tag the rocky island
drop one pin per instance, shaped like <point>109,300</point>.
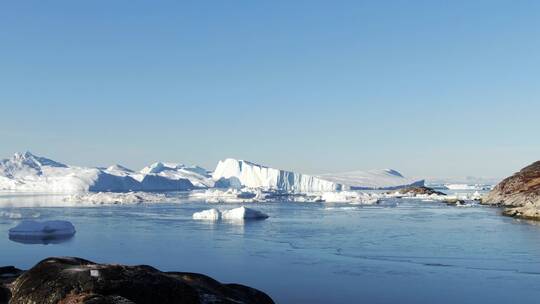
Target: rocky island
<point>417,190</point>
<point>75,280</point>
<point>519,193</point>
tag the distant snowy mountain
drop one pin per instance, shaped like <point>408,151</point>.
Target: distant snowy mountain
<point>232,171</point>
<point>27,172</point>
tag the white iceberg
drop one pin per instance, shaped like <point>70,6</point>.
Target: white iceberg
<point>241,213</point>
<point>198,176</point>
<point>385,179</point>
<point>210,214</point>
<point>231,171</point>
<point>29,173</point>
<point>257,176</point>
<point>25,172</point>
<point>49,230</point>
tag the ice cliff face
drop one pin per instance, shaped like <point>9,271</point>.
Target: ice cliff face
<point>257,176</point>
<point>27,172</point>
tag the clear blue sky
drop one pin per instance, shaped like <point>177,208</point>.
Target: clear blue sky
<point>431,88</point>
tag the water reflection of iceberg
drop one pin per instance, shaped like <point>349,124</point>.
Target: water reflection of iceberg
<point>49,232</point>
<point>41,240</point>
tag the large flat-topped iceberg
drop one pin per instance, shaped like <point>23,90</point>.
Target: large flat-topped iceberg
<point>386,179</point>
<point>30,173</point>
<point>252,175</point>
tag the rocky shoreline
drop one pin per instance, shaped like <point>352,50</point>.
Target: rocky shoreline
<point>519,194</point>
<point>76,281</point>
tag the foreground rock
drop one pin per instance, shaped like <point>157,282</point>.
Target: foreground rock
<point>7,275</point>
<point>74,280</point>
<point>519,192</point>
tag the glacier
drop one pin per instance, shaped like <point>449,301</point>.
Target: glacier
<point>253,175</point>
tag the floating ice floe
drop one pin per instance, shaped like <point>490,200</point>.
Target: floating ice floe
<point>107,198</point>
<point>41,232</point>
<point>456,199</point>
<point>17,215</point>
<point>10,215</point>
<point>241,213</point>
<point>351,197</point>
<point>229,195</point>
<point>247,195</point>
<point>467,187</point>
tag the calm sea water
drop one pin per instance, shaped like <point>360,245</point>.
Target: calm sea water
<point>403,251</point>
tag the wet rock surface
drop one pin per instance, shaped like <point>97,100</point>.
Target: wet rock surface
<point>75,280</point>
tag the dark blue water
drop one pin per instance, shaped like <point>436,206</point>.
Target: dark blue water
<point>405,251</point>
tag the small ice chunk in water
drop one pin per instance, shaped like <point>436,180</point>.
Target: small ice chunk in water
<point>241,213</point>
<point>210,214</point>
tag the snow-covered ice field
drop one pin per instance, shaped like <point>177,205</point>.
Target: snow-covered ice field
<point>422,251</point>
